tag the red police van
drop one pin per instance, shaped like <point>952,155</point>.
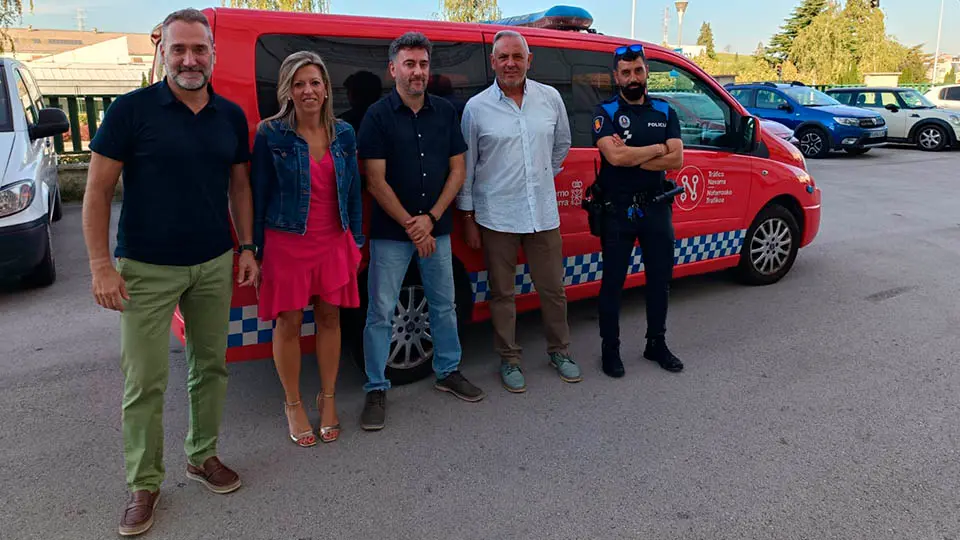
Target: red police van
<point>749,202</point>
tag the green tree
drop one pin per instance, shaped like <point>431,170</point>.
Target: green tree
<point>822,50</point>
<point>950,77</point>
<point>913,67</point>
<point>706,39</point>
<point>802,16</point>
<point>313,6</point>
<point>11,13</point>
<point>470,10</point>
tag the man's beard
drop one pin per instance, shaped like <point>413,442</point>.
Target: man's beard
<point>634,92</point>
<point>409,90</point>
<point>189,84</point>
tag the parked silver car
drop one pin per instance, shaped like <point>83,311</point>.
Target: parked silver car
<point>29,190</point>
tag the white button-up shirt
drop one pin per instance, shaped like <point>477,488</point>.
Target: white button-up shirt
<point>513,155</point>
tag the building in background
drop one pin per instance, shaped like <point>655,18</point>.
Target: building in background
<point>80,63</point>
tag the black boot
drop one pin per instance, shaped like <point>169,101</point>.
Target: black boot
<point>610,361</point>
<point>658,352</point>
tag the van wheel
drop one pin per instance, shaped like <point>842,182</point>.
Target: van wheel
<point>770,247</point>
<point>57,207</point>
<point>814,142</point>
<point>45,273</point>
<point>931,138</point>
<point>410,358</point>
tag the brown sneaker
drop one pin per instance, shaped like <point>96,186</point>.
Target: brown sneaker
<point>138,515</point>
<point>215,475</point>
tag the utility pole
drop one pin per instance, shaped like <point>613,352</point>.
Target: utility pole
<point>666,26</point>
<point>633,20</point>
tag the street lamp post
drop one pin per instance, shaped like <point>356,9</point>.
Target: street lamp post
<point>681,9</point>
<point>633,19</point>
<point>936,58</point>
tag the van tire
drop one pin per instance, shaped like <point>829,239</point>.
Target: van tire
<point>45,273</point>
<point>931,137</point>
<point>420,367</point>
<point>772,222</point>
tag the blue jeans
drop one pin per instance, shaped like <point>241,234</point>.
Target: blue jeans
<point>389,261</point>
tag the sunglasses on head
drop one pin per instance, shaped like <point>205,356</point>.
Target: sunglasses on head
<point>636,48</point>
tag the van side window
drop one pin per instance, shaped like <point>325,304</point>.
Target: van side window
<point>26,101</point>
<point>705,118</point>
<point>842,97</point>
<point>583,78</point>
<point>952,93</point>
<point>360,75</point>
<point>767,99</point>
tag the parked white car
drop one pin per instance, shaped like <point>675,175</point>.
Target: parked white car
<point>29,191</point>
<point>947,96</point>
<point>910,117</point>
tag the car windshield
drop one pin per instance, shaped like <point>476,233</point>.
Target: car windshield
<point>810,97</point>
<point>915,100</point>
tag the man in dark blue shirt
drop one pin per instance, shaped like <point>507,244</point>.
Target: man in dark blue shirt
<point>413,151</point>
<point>183,152</point>
<point>639,138</point>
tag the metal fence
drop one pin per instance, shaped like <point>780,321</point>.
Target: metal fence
<point>85,114</point>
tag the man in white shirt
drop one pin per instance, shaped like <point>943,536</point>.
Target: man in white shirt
<point>518,135</point>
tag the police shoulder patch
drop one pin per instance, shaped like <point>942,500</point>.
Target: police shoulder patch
<point>624,121</point>
<point>597,124</point>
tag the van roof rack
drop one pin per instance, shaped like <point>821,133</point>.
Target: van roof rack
<point>556,18</point>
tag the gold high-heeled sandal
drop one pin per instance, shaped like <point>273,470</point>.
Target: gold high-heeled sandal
<point>324,431</point>
<point>305,439</point>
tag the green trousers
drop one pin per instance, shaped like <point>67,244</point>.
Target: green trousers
<point>203,293</point>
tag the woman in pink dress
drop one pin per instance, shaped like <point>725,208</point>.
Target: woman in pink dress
<point>307,223</point>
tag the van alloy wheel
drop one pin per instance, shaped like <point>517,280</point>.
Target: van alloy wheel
<point>412,343</point>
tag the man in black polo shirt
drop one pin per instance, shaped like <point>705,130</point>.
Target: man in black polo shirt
<point>639,138</point>
<point>414,156</point>
<point>183,152</point>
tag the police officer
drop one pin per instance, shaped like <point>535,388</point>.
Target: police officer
<point>639,138</point>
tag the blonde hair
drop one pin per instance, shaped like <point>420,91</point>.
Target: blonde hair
<point>288,69</point>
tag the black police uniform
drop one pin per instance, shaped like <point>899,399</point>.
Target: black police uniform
<point>631,215</point>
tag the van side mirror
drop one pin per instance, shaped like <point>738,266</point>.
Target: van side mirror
<point>52,122</point>
<point>892,108</point>
<point>749,134</point>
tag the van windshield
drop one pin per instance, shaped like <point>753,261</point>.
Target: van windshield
<point>6,118</point>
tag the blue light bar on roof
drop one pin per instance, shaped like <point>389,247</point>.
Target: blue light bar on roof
<point>555,18</point>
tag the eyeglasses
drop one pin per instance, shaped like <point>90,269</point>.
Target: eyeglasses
<point>635,48</point>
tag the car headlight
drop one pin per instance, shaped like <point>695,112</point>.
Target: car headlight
<point>16,197</point>
<point>843,120</point>
<point>955,120</point>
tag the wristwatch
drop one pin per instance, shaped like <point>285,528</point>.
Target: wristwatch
<point>432,219</point>
<point>248,247</point>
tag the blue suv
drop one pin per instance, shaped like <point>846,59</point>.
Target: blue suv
<point>820,123</point>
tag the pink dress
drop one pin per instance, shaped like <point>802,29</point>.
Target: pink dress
<point>323,262</point>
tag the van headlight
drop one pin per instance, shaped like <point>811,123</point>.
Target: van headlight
<point>16,197</point>
<point>843,120</point>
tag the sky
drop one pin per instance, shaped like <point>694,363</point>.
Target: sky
<point>739,24</point>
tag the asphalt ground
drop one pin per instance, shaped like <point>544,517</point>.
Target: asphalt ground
<point>824,406</point>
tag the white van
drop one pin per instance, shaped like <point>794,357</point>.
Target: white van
<point>29,191</point>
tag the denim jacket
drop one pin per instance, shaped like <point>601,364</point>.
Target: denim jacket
<point>280,177</point>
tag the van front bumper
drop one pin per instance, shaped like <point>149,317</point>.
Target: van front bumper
<point>22,247</point>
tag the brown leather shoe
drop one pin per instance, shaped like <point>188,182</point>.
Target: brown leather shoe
<point>215,475</point>
<point>138,515</point>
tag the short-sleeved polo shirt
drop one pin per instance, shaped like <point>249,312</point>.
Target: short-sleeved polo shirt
<point>176,174</point>
<point>417,148</point>
<point>653,122</point>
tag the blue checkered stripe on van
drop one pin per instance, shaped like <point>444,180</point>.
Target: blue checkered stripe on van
<point>588,267</point>
<point>247,329</point>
